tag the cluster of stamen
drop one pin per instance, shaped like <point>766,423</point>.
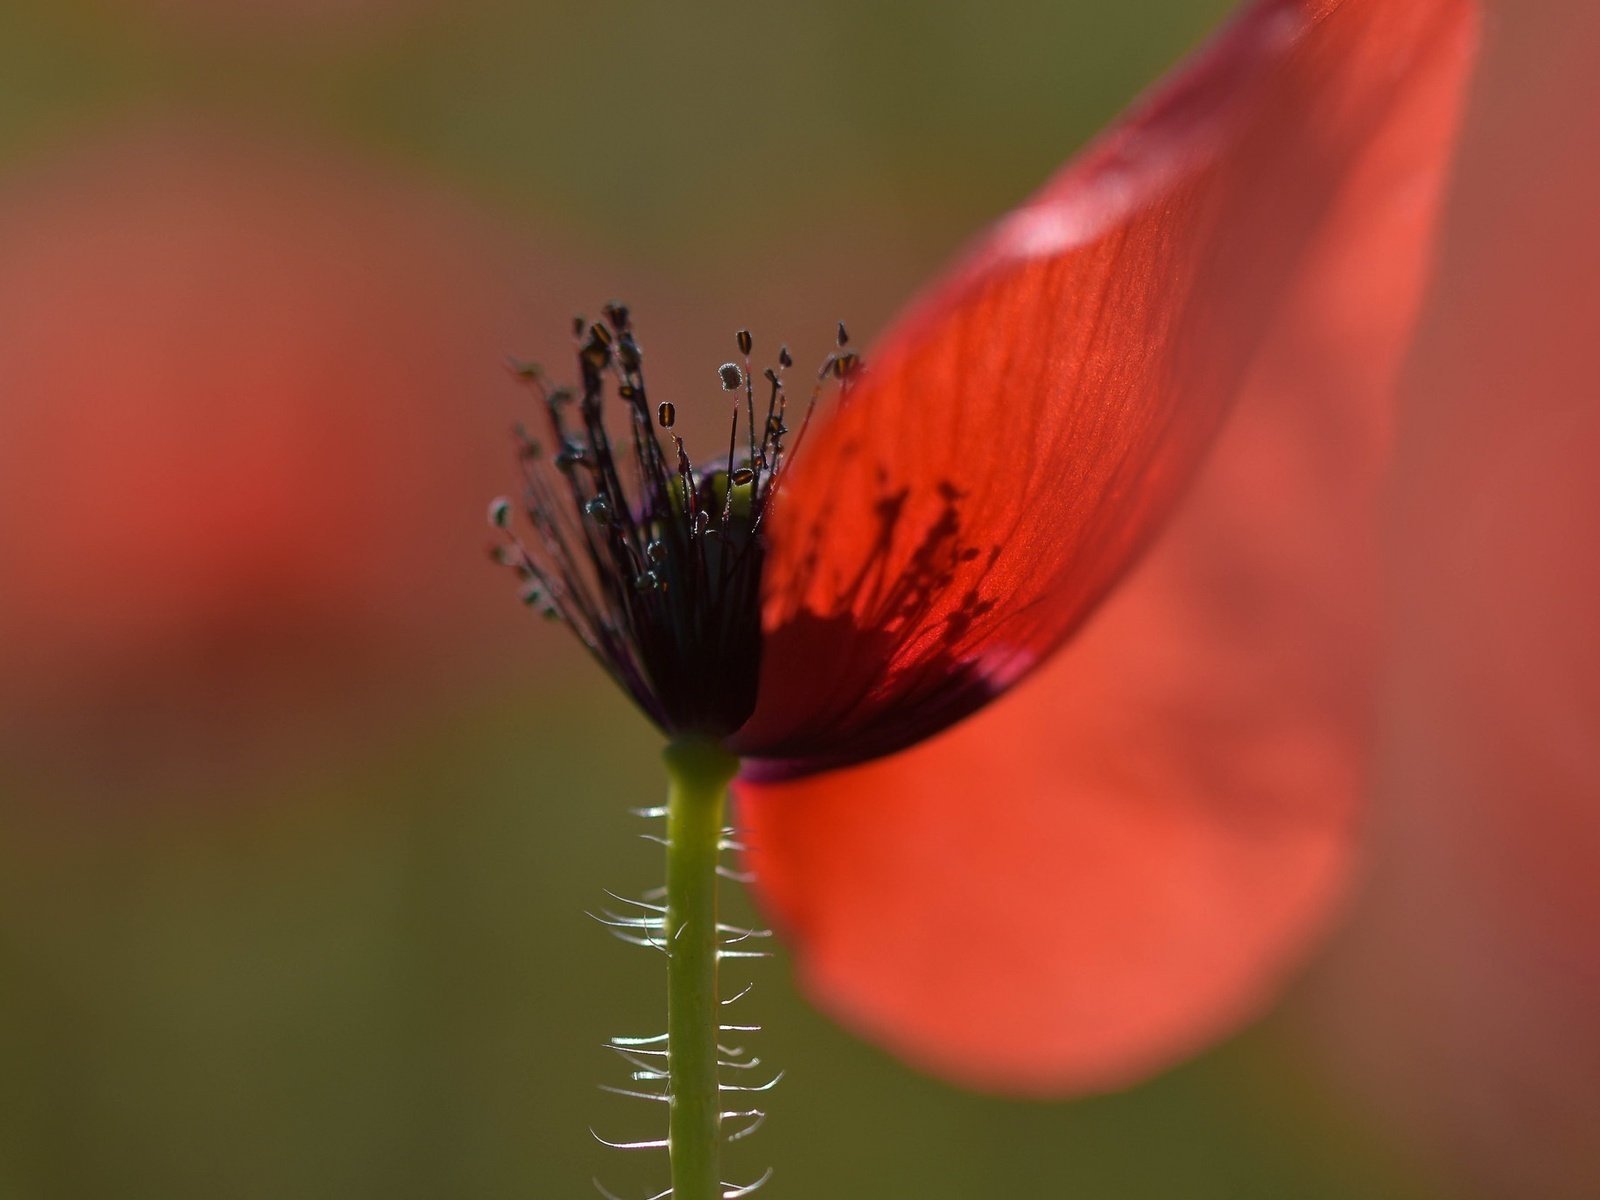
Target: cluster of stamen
<point>655,562</point>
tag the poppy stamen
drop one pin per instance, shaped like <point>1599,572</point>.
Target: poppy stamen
<point>659,576</point>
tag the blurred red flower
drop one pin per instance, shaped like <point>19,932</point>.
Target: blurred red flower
<point>234,462</point>
<point>1465,998</point>
<point>1120,859</point>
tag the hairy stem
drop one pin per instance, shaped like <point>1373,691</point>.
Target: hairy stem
<point>698,774</point>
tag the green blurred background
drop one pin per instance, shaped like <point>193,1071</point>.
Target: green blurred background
<point>359,966</point>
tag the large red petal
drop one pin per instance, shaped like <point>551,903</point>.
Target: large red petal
<point>1023,432</point>
<point>1120,861</point>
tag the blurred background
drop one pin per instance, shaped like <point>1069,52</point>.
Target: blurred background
<point>301,811</point>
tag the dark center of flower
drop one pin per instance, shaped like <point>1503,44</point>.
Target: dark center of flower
<point>655,563</point>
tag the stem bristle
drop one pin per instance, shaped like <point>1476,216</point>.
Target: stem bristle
<point>695,944</point>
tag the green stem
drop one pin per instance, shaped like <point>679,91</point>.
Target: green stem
<point>698,774</point>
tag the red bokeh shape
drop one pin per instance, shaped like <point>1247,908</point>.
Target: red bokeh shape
<point>246,392</point>
<point>1465,999</point>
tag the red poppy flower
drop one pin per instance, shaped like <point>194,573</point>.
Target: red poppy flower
<point>235,470</point>
<point>1118,859</point>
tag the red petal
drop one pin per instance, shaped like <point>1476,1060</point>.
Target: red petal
<point>1024,431</point>
<point>1120,861</point>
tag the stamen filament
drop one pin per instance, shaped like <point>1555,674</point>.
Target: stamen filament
<point>655,565</point>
